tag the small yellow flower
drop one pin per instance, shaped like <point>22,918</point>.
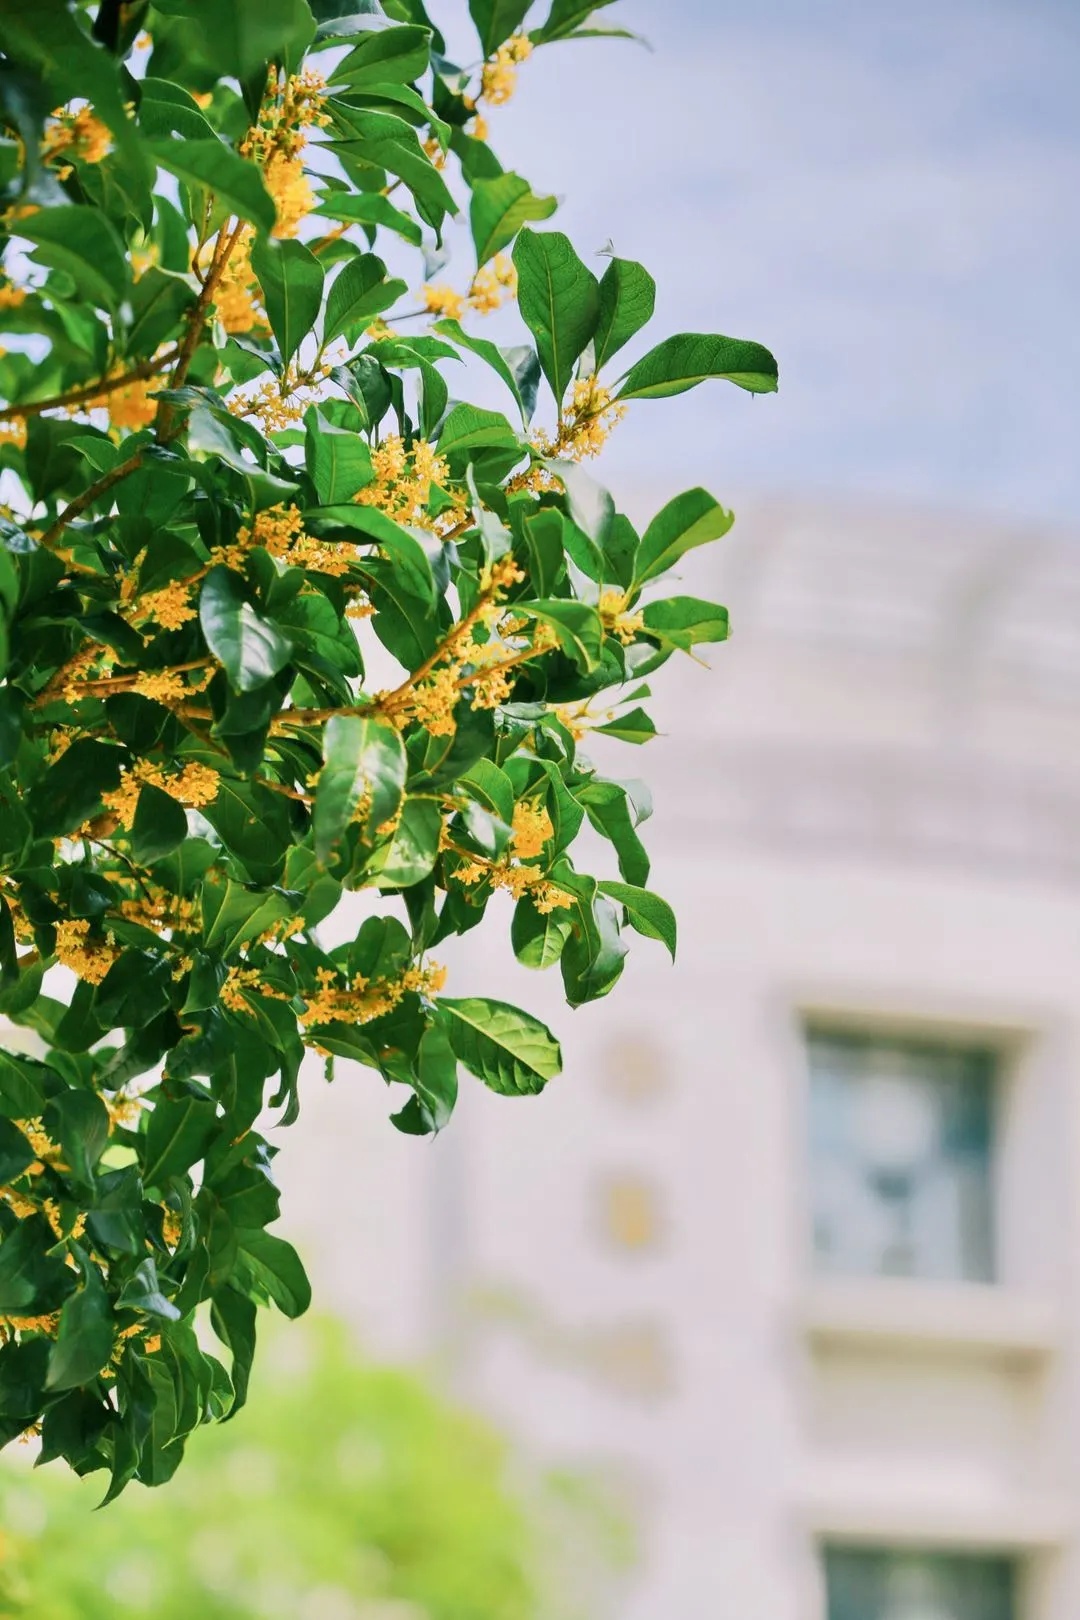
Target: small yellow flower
<point>441,299</point>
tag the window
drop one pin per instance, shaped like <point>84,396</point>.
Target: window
<point>901,1157</point>
<point>871,1585</point>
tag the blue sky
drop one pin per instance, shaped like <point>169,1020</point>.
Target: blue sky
<point>885,195</point>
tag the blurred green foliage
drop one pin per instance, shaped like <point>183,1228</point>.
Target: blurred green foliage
<point>350,1492</point>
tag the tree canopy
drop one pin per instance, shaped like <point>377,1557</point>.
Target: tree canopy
<point>242,481</point>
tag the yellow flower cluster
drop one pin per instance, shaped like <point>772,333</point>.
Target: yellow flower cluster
<point>46,1150</point>
<point>11,297</point>
<point>170,606</point>
<point>440,299</point>
<point>291,105</point>
<point>239,983</point>
<point>161,686</point>
<point>237,296</point>
<point>89,959</point>
<point>615,619</point>
<point>79,135</point>
<point>280,531</point>
<point>585,423</point>
<point>293,197</point>
<point>519,880</point>
<point>403,480</point>
<point>51,1210</point>
<point>129,407</point>
<point>531,829</point>
<point>195,785</point>
<point>281,403</point>
<point>13,433</point>
<point>361,1000</point>
<point>488,290</point>
<point>172,1227</point>
<point>498,79</point>
<point>493,284</point>
<point>48,1325</point>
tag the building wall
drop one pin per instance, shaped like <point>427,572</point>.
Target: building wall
<point>868,810</point>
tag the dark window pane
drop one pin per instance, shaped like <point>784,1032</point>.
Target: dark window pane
<point>901,1155</point>
<point>865,1584</point>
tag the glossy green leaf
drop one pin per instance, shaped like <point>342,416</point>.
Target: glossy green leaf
<point>177,1135</point>
<point>291,279</point>
<point>627,300</point>
<point>84,1341</point>
<point>496,20</point>
<point>509,1050</point>
<point>559,301</point>
<point>244,37</point>
<point>690,358</point>
<point>645,911</point>
<point>248,646</point>
<point>363,770</point>
<point>498,210</point>
<point>160,825</point>
<point>690,520</point>
<point>85,244</point>
<point>360,291</point>
<point>214,167</point>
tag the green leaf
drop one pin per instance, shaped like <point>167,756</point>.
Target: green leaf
<point>496,20</point>
<point>232,1318</point>
<point>614,813</point>
<point>249,648</point>
<point>646,912</point>
<point>32,1280</point>
<point>683,621</point>
<point>15,1151</point>
<point>82,242</point>
<point>291,278</point>
<point>577,626</point>
<point>243,37</point>
<point>213,166</point>
<point>589,504</point>
<point>468,427</point>
<point>364,759</point>
<point>559,300</point>
<point>386,56</point>
<point>565,18</point>
<point>691,519</point>
<point>235,913</point>
<point>627,299</point>
<point>412,566</point>
<point>177,1135</point>
<point>499,208</point>
<point>70,791</point>
<point>338,461</point>
<point>690,358</point>
<point>509,1050</point>
<point>414,847</point>
<point>539,937</point>
<point>500,362</point>
<point>634,726</point>
<point>359,292</point>
<point>160,825</point>
<point>253,824</point>
<point>276,1269</point>
<point>142,1292</point>
<point>435,1079</point>
<point>368,208</point>
<point>382,141</point>
<point>85,1339</point>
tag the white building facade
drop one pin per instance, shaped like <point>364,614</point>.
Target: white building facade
<point>792,1246</point>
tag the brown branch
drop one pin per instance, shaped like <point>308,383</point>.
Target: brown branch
<point>91,391</point>
<point>78,506</point>
<point>196,322</point>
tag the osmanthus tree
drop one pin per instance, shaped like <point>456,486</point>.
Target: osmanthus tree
<point>233,465</point>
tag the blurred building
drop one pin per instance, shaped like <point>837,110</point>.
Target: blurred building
<point>792,1247</point>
